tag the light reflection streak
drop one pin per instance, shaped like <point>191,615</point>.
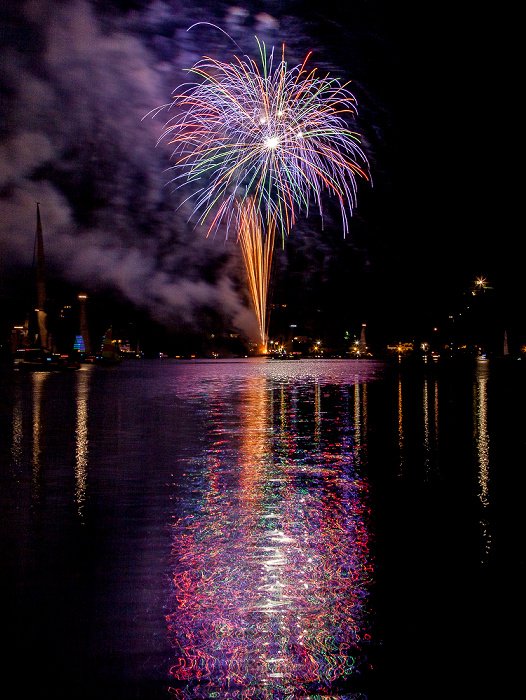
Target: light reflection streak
<point>481,409</point>
<point>436,412</point>
<point>360,420</point>
<point>430,411</point>
<point>17,429</point>
<point>400,426</point>
<point>482,443</point>
<point>317,410</point>
<point>271,566</point>
<point>357,415</point>
<point>38,379</point>
<point>81,435</point>
<point>427,446</point>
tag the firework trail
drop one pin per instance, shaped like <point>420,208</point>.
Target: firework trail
<point>257,248</point>
<point>274,134</point>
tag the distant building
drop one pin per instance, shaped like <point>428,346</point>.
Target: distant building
<point>19,337</point>
<point>83,322</point>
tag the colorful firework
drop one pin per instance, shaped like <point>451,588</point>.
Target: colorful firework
<point>277,135</point>
<point>258,248</point>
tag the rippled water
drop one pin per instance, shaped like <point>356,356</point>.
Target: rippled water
<point>256,529</point>
<point>271,560</point>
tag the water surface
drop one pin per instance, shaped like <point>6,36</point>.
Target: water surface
<point>258,529</point>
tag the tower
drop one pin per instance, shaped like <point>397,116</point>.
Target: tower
<point>84,330</point>
<point>362,345</point>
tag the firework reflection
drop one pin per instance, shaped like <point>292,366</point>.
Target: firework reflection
<point>271,566</point>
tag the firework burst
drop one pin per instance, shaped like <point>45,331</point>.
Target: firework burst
<point>276,135</point>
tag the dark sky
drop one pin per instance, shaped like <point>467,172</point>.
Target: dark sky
<point>432,88</point>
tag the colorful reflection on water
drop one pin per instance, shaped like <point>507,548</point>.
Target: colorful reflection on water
<point>263,474</point>
<point>271,557</point>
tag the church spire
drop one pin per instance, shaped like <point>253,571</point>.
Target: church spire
<point>41,284</point>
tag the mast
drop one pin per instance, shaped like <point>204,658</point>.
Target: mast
<point>41,285</point>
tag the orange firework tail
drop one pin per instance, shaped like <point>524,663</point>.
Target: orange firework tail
<point>257,247</point>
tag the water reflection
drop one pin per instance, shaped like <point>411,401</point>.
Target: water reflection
<point>17,428</point>
<point>482,441</point>
<point>430,410</point>
<point>430,417</point>
<point>400,427</point>
<point>38,381</point>
<point>271,563</point>
<point>37,427</point>
<point>481,430</point>
<point>81,435</point>
<point>317,410</point>
<point>436,413</point>
<point>427,446</point>
<point>270,574</point>
<point>360,420</point>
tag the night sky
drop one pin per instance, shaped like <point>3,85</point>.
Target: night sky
<point>434,102</point>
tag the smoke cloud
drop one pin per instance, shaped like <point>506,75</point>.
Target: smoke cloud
<point>78,78</point>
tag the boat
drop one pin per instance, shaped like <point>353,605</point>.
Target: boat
<point>41,360</point>
<point>35,353</point>
<point>109,354</point>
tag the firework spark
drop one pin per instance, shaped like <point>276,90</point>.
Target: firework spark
<point>276,135</point>
<point>257,250</point>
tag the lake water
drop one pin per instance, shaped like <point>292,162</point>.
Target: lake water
<point>261,529</point>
